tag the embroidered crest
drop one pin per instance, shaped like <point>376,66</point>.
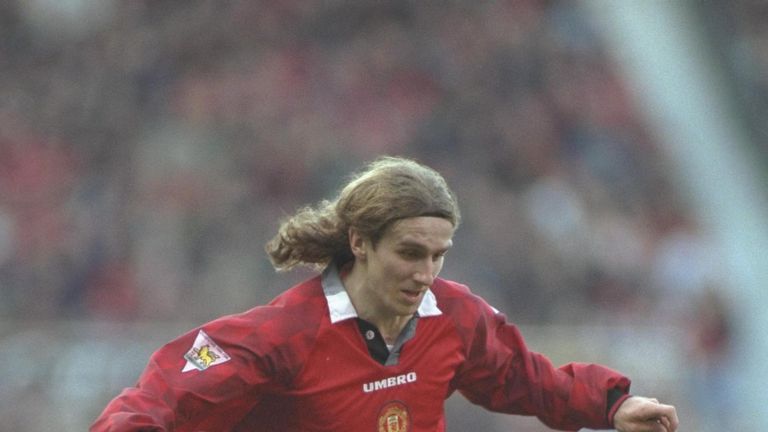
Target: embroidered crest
<point>393,417</point>
<point>204,354</point>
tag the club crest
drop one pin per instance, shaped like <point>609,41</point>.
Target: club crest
<point>394,417</point>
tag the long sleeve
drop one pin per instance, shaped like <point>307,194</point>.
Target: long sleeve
<point>204,380</point>
<point>503,375</point>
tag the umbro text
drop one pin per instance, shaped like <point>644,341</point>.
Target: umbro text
<point>389,382</point>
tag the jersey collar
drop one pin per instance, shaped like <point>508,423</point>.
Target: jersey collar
<point>340,306</point>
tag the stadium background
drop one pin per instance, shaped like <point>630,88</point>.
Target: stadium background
<point>609,158</point>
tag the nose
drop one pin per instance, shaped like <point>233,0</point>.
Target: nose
<point>425,274</point>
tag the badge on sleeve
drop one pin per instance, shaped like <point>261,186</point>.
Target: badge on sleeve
<point>204,354</point>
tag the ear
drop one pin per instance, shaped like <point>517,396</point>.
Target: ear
<point>357,244</point>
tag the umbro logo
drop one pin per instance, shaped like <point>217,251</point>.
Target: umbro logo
<point>389,382</point>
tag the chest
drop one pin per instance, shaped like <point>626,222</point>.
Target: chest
<point>342,387</point>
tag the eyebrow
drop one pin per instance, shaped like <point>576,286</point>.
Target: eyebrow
<point>417,245</point>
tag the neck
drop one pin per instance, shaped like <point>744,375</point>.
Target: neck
<point>369,306</point>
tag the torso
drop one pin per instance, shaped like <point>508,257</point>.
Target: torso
<point>339,386</point>
<point>343,388</point>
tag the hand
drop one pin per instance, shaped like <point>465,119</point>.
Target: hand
<point>641,414</point>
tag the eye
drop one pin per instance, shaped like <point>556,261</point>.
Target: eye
<point>410,254</point>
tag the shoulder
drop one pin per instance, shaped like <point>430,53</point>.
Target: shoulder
<point>469,314</point>
<point>274,338</point>
<point>268,341</point>
<point>307,294</point>
<point>298,309</point>
<point>453,297</point>
<point>286,327</point>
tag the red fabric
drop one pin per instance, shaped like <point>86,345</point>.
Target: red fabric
<point>291,369</point>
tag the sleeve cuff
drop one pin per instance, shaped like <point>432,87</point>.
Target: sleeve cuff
<point>615,399</point>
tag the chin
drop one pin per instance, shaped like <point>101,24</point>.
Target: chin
<point>406,310</point>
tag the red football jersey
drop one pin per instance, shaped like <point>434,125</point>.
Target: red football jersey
<point>304,363</point>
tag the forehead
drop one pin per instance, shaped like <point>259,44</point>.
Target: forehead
<point>427,231</point>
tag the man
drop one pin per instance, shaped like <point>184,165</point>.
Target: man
<point>377,342</point>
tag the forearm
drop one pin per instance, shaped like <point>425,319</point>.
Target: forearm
<point>505,376</point>
<point>576,395</point>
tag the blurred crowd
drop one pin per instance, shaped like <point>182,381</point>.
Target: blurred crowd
<point>148,150</point>
<point>739,33</point>
<point>148,153</point>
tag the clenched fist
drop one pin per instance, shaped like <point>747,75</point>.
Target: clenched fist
<point>641,414</point>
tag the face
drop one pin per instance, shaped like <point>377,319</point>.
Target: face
<point>404,263</point>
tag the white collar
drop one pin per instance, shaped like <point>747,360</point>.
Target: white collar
<point>340,306</point>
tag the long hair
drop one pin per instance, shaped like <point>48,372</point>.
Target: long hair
<point>387,190</point>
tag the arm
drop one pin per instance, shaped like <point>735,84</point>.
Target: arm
<point>501,374</point>
<point>174,394</point>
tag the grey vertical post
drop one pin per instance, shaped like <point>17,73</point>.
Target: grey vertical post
<point>662,53</point>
